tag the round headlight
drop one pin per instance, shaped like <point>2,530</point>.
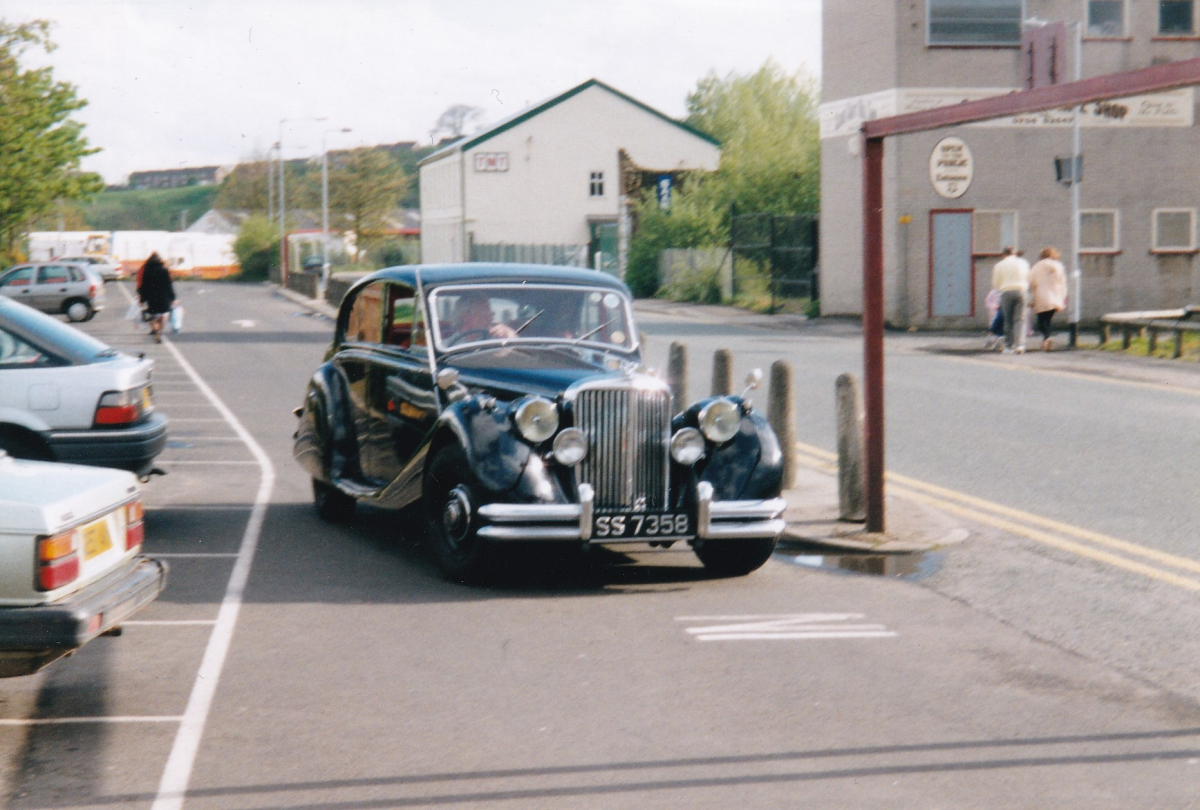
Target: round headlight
<point>570,447</point>
<point>720,420</point>
<point>687,446</point>
<point>536,419</point>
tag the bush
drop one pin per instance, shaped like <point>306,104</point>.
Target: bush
<point>685,225</point>
<point>698,285</point>
<point>256,246</point>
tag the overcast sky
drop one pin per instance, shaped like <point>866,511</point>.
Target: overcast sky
<point>174,83</point>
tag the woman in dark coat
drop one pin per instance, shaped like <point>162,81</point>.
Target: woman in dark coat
<point>156,292</point>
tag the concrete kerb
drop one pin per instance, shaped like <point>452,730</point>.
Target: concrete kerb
<point>314,304</point>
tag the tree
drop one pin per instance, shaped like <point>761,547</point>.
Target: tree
<point>770,163</point>
<point>365,186</point>
<point>256,246</point>
<point>453,122</point>
<point>40,146</point>
<point>245,188</point>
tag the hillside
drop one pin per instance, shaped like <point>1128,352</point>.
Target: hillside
<point>148,209</point>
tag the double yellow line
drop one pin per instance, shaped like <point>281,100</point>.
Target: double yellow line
<point>1128,556</point>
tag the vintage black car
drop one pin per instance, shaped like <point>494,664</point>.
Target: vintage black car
<point>510,402</point>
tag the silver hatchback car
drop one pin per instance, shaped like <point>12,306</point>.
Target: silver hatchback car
<point>58,287</point>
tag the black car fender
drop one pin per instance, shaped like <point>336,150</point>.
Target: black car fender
<point>484,432</point>
<point>325,438</point>
<point>748,466</point>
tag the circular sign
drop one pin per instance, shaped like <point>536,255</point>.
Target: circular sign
<point>951,168</point>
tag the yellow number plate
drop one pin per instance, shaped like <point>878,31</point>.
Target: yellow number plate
<point>95,539</point>
<point>147,402</point>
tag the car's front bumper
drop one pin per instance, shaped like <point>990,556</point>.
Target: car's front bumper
<point>715,520</point>
<point>31,637</point>
<point>132,448</point>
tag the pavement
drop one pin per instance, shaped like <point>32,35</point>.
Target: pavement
<point>912,527</point>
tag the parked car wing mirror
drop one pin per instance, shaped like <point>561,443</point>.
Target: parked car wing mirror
<point>447,378</point>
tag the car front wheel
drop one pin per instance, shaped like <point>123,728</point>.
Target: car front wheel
<point>735,558</point>
<point>332,504</point>
<point>452,520</point>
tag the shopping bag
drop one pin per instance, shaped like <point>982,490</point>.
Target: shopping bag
<point>176,318</point>
<point>134,313</point>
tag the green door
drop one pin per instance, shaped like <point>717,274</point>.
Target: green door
<point>602,252</point>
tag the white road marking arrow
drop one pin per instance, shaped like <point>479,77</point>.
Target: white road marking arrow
<point>244,324</point>
<point>784,627</point>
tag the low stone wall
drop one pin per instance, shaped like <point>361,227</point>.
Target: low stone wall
<point>304,283</point>
<point>339,285</point>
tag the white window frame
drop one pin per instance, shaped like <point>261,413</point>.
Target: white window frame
<point>1173,34</point>
<point>1116,229</point>
<point>931,44</point>
<point>1155,247</point>
<point>1016,229</point>
<point>1087,10</point>
<point>596,184</point>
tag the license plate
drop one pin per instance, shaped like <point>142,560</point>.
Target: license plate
<point>96,539</point>
<point>147,400</point>
<point>649,526</point>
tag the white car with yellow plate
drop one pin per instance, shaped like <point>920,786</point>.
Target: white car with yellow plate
<point>70,561</point>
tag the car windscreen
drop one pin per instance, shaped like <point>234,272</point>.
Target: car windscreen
<point>52,335</point>
<point>471,314</point>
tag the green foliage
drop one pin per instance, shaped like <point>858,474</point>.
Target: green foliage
<point>393,252</point>
<point>257,247</point>
<point>151,209</point>
<point>365,187</point>
<point>689,223</point>
<point>42,146</point>
<point>245,188</point>
<point>700,285</point>
<point>770,163</point>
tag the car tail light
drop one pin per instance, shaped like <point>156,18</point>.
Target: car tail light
<point>92,290</point>
<point>135,529</point>
<point>58,560</point>
<point>124,407</point>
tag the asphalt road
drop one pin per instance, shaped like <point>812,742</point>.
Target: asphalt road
<point>296,664</point>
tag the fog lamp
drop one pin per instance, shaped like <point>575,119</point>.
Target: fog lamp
<point>570,447</point>
<point>687,446</point>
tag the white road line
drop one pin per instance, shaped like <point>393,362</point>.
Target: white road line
<point>178,771</point>
<point>175,461</point>
<point>186,554</point>
<point>64,721</point>
<point>784,627</point>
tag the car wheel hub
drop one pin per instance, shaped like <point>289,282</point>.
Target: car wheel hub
<point>456,517</point>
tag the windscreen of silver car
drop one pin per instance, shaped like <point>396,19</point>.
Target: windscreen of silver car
<point>536,419</point>
<point>720,420</point>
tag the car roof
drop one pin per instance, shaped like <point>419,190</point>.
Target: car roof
<point>436,275</point>
<point>50,333</point>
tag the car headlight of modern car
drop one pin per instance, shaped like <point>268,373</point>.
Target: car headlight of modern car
<point>720,420</point>
<point>536,419</point>
<point>687,446</point>
<point>570,446</point>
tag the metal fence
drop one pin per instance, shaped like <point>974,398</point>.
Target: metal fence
<point>569,255</point>
<point>775,255</point>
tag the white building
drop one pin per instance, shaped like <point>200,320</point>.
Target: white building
<point>547,184</point>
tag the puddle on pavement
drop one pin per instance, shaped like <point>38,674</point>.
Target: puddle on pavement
<point>917,565</point>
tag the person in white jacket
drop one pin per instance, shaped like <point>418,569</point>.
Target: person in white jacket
<point>1047,291</point>
<point>1010,277</point>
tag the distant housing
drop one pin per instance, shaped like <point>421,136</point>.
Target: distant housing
<point>178,178</point>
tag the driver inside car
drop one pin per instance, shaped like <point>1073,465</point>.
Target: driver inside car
<point>476,319</point>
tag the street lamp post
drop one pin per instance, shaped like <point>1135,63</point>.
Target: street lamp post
<point>283,270</point>
<point>325,209</point>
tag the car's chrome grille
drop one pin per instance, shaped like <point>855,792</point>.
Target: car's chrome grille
<point>628,430</point>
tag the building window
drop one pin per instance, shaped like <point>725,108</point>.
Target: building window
<point>975,22</point>
<point>1176,17</point>
<point>993,231</point>
<point>1098,231</point>
<point>1106,18</point>
<point>596,185</point>
<point>1174,229</point>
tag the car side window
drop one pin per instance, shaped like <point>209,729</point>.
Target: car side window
<point>17,353</point>
<point>406,324</point>
<point>365,322</point>
<point>76,274</point>
<point>52,274</point>
<point>19,277</point>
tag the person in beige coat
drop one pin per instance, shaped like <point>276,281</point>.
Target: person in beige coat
<point>1047,292</point>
